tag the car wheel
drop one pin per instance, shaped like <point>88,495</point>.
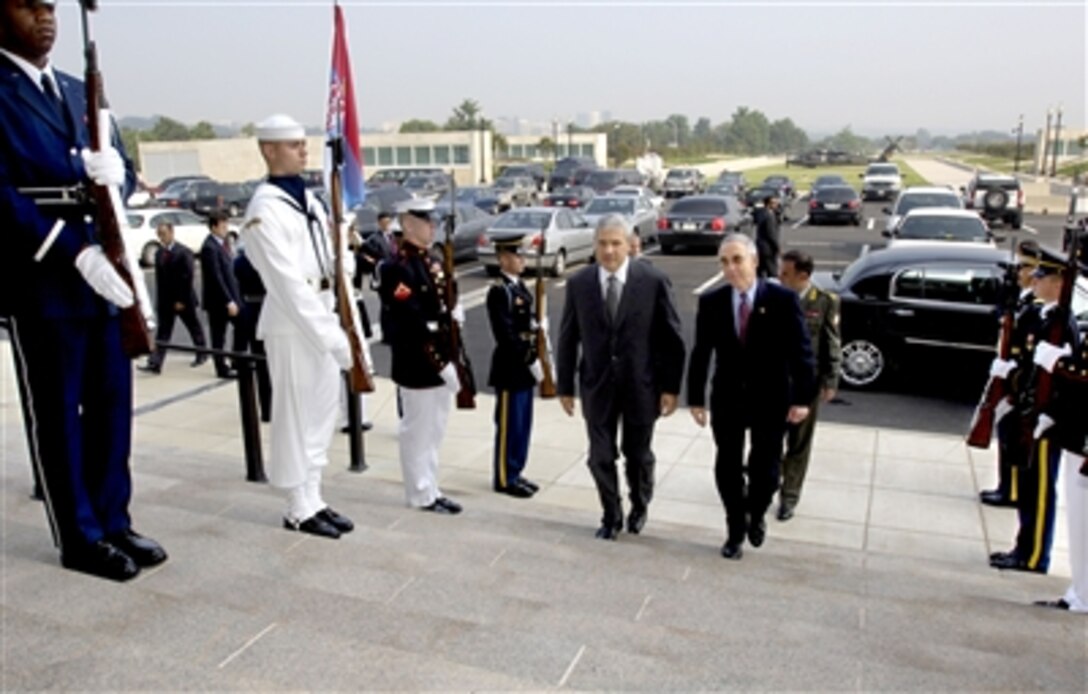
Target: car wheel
<point>863,363</point>
<point>1017,221</point>
<point>857,221</point>
<point>560,264</point>
<point>667,248</point>
<point>147,254</point>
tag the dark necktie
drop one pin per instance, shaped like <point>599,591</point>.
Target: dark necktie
<point>742,318</point>
<point>52,96</point>
<point>612,298</point>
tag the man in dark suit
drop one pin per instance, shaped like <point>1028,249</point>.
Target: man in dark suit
<point>763,380</point>
<point>378,248</point>
<point>222,297</point>
<point>768,237</point>
<point>174,296</point>
<point>620,333</point>
<point>245,327</point>
<point>63,297</point>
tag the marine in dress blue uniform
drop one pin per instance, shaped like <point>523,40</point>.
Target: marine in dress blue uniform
<point>515,370</point>
<point>62,295</point>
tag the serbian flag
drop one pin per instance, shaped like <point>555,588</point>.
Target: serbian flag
<point>340,118</point>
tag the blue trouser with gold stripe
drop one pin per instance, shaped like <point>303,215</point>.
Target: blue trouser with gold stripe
<point>1011,456</point>
<point>1038,488</point>
<point>513,425</point>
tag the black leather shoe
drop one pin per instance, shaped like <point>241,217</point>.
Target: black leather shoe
<point>313,526</point>
<point>1013,562</point>
<point>150,368</point>
<point>517,490</point>
<point>785,512</point>
<point>226,374</point>
<point>143,550</point>
<point>199,360</point>
<point>533,486</point>
<point>993,497</point>
<point>336,520</point>
<point>100,559</point>
<point>444,505</point>
<point>731,550</point>
<point>607,532</point>
<point>636,520</point>
<point>757,532</point>
<point>1059,604</point>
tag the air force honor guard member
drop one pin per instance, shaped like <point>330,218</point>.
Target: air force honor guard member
<point>63,294</point>
<point>411,286</point>
<point>515,369</point>
<point>286,235</point>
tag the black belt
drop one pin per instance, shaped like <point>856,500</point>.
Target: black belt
<point>76,195</point>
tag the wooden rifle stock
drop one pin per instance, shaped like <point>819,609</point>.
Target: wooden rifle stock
<point>982,423</point>
<point>466,396</point>
<point>359,379</point>
<point>543,343</point>
<point>135,337</point>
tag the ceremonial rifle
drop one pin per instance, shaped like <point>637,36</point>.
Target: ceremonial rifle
<point>110,218</point>
<point>359,376</point>
<point>543,341</point>
<point>466,396</point>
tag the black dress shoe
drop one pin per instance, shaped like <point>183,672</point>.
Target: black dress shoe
<point>533,486</point>
<point>732,550</point>
<point>517,490</point>
<point>757,532</point>
<point>313,526</point>
<point>1013,562</point>
<point>994,497</point>
<point>199,360</point>
<point>227,374</point>
<point>100,559</point>
<point>336,520</point>
<point>444,505</point>
<point>150,368</point>
<point>785,512</point>
<point>143,550</point>
<point>608,531</point>
<point>636,520</point>
<point>1059,604</point>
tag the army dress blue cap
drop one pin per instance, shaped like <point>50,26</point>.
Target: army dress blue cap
<point>509,244</point>
<point>1051,262</point>
<point>1027,252</point>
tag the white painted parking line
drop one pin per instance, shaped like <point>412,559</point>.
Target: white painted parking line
<point>799,222</point>
<point>869,226</point>
<point>864,250</point>
<point>1030,230</point>
<point>821,244</point>
<point>706,285</point>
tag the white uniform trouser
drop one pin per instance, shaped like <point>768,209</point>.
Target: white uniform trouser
<point>422,426</point>
<point>304,403</point>
<point>1076,507</point>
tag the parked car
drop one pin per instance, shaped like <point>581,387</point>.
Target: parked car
<point>828,180</point>
<point>916,304</point>
<point>700,221</point>
<point>735,178</point>
<point>172,180</point>
<point>681,182</point>
<point>920,196</point>
<point>569,196</point>
<point>470,221</point>
<point>787,191</point>
<point>142,243</point>
<point>996,198</point>
<point>364,219</point>
<point>567,170</point>
<point>530,170</point>
<point>881,181</point>
<point>427,185</point>
<point>640,191</point>
<point>638,211</point>
<point>603,180</point>
<point>568,237</point>
<point>483,197</point>
<point>397,176</point>
<point>520,188</point>
<point>837,204</point>
<point>204,197</point>
<point>314,178</point>
<point>730,189</point>
<point>175,195</point>
<point>939,224</point>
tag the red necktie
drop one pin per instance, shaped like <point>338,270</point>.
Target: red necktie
<point>743,314</point>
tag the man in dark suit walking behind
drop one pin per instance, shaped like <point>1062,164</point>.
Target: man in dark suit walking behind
<point>174,296</point>
<point>620,333</point>
<point>763,380</point>
<point>222,297</point>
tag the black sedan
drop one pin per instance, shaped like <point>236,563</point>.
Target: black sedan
<point>828,180</point>
<point>786,189</point>
<point>922,304</point>
<point>700,221</point>
<point>837,204</point>
<point>576,197</point>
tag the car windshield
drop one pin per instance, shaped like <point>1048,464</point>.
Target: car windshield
<point>882,171</point>
<point>723,189</point>
<point>775,180</point>
<point>836,194</point>
<point>610,206</point>
<point>701,206</point>
<point>829,181</point>
<point>943,228</point>
<point>469,194</point>
<point>503,184</point>
<point>568,192</point>
<point>729,177</point>
<point>515,171</point>
<point>522,219</point>
<point>416,182</point>
<point>910,202</point>
<point>678,173</point>
<point>626,191</point>
<point>602,178</point>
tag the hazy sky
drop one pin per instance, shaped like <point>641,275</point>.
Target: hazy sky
<point>877,66</point>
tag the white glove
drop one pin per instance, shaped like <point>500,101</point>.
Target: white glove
<point>537,370</point>
<point>96,268</point>
<point>1042,424</point>
<point>1003,408</point>
<point>1047,355</point>
<point>341,352</point>
<point>458,314</point>
<point>139,280</point>
<point>106,168</point>
<point>544,324</point>
<point>449,375</point>
<point>1000,368</point>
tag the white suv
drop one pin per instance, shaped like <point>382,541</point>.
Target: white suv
<point>881,181</point>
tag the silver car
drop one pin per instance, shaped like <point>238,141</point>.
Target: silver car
<point>638,211</point>
<point>567,235</point>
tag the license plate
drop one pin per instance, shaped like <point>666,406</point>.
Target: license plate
<point>689,226</point>
<point>832,206</point>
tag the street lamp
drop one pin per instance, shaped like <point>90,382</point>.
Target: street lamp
<point>570,138</point>
<point>1057,143</point>
<point>555,142</point>
<point>1019,138</point>
<point>1046,143</point>
<point>675,134</point>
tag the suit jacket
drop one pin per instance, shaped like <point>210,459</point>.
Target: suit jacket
<point>174,278</point>
<point>821,310</point>
<point>768,243</point>
<point>510,312</point>
<point>217,276</point>
<point>631,363</point>
<point>763,377</point>
<point>40,148</point>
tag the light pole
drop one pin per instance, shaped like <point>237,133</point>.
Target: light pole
<point>1019,138</point>
<point>1046,142</point>
<point>570,138</point>
<point>675,135</point>
<point>1057,143</point>
<point>555,142</point>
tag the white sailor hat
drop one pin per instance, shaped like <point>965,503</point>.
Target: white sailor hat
<point>280,128</point>
<point>421,207</point>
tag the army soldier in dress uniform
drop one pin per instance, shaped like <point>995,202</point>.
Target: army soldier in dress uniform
<point>286,236</point>
<point>1010,448</point>
<point>821,311</point>
<point>411,288</point>
<point>515,369</point>
<point>1037,479</point>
